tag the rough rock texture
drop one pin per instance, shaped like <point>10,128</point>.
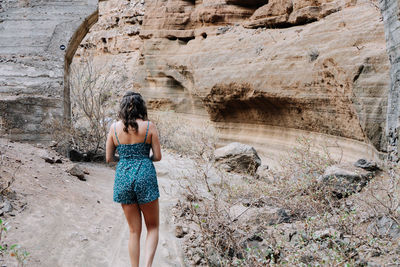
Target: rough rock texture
<point>313,66</point>
<point>77,171</point>
<point>385,226</point>
<point>264,71</point>
<point>281,13</point>
<point>32,62</point>
<point>345,179</point>
<point>390,11</point>
<point>367,165</point>
<point>238,157</point>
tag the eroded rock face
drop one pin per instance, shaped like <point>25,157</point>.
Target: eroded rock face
<point>240,102</point>
<point>390,15</point>
<point>36,41</point>
<point>247,3</point>
<point>316,66</point>
<point>281,13</point>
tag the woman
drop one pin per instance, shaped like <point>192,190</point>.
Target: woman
<point>135,185</point>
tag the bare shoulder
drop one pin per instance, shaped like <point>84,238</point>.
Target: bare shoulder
<point>152,125</point>
<point>114,124</point>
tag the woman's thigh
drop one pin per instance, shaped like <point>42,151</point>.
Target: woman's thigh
<point>133,216</point>
<point>151,213</point>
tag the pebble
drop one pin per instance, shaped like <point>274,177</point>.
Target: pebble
<point>179,233</point>
<point>7,207</point>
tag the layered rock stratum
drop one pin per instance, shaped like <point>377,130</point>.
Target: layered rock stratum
<point>390,15</point>
<point>263,71</point>
<point>37,41</point>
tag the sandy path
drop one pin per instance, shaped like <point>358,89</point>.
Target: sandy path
<point>68,222</point>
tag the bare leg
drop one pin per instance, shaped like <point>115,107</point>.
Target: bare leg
<point>151,218</point>
<point>134,219</point>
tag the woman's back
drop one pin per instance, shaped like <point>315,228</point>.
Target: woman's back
<point>134,145</point>
<point>133,137</point>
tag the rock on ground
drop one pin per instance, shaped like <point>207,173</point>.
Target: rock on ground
<point>385,226</point>
<point>77,171</point>
<point>345,179</point>
<point>238,157</point>
<point>367,165</point>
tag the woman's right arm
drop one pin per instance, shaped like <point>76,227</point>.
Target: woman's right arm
<point>155,143</point>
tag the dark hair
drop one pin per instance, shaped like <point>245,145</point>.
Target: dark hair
<point>132,107</point>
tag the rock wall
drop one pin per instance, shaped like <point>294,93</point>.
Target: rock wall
<point>390,10</point>
<point>37,41</point>
<point>306,66</point>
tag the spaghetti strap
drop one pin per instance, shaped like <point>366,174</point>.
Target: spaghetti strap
<point>148,122</point>
<point>115,130</point>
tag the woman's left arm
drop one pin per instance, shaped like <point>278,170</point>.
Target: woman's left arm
<point>110,146</point>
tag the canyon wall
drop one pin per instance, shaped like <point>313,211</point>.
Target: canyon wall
<point>264,71</point>
<point>390,10</point>
<point>37,41</point>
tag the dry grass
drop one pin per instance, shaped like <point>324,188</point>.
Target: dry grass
<point>296,186</point>
<point>185,136</point>
<point>257,237</point>
<point>220,236</point>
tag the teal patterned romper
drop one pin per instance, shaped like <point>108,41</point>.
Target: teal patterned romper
<point>135,176</point>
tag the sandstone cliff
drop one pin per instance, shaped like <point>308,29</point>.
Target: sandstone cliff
<point>317,66</point>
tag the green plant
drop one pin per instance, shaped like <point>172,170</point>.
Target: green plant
<point>15,250</point>
<point>3,229</point>
<point>20,254</point>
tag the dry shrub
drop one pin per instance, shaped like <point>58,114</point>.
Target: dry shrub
<point>221,238</point>
<point>383,195</point>
<point>250,238</point>
<point>90,91</point>
<point>91,88</point>
<point>296,186</point>
<point>185,136</point>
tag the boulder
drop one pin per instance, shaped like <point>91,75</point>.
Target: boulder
<point>366,165</point>
<point>75,155</point>
<point>345,179</point>
<point>238,157</point>
<point>7,206</point>
<point>77,171</point>
<point>385,226</point>
<point>92,156</point>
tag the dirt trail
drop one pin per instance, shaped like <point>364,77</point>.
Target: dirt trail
<point>68,222</point>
